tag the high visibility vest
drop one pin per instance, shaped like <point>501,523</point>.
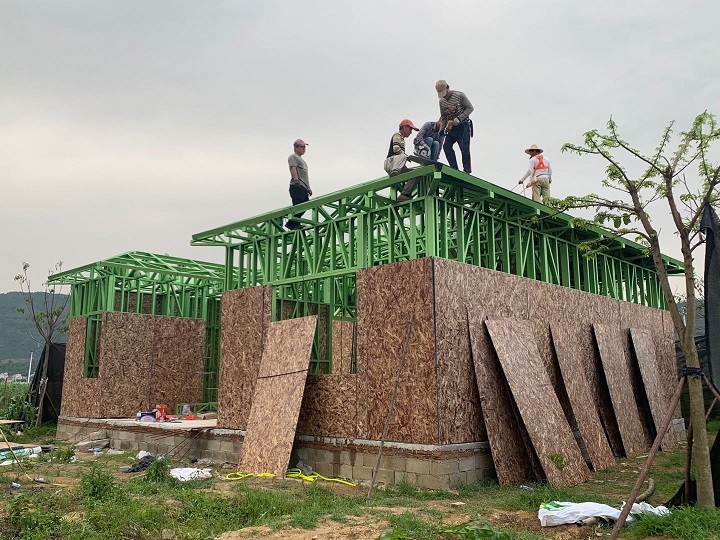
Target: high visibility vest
<point>541,167</point>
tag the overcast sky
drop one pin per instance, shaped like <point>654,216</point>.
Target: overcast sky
<point>133,125</point>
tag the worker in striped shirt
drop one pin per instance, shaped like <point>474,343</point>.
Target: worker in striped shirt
<point>455,110</point>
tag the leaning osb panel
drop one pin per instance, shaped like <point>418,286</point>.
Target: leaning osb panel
<point>272,424</point>
<point>542,414</point>
<point>176,375</point>
<point>509,453</point>
<point>576,359</point>
<point>667,362</point>
<point>80,396</point>
<point>617,374</point>
<point>544,309</point>
<point>328,406</point>
<point>644,349</point>
<point>459,415</point>
<point>245,316</point>
<point>282,348</point>
<point>342,335</point>
<point>389,297</point>
<point>277,398</point>
<point>126,352</point>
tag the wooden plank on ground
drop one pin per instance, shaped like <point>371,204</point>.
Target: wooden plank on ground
<point>617,374</point>
<point>575,360</point>
<point>537,402</point>
<point>509,454</point>
<point>277,398</point>
<point>644,347</point>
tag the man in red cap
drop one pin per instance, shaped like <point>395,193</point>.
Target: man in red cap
<point>299,180</point>
<point>396,157</point>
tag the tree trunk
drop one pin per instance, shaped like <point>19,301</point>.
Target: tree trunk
<point>43,382</point>
<point>701,451</point>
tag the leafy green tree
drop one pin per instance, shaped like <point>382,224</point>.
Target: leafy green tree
<point>48,316</point>
<point>683,181</point>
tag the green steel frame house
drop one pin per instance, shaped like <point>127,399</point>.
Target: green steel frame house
<point>312,270</point>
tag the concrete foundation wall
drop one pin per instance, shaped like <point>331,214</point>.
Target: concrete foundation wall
<point>427,466</point>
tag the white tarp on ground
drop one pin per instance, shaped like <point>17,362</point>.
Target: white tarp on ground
<point>563,513</point>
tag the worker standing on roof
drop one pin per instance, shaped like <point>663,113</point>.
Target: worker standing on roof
<point>455,110</point>
<point>299,180</point>
<point>540,174</point>
<point>397,158</point>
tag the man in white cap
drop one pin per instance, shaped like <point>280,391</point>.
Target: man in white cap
<point>299,180</point>
<point>396,157</point>
<point>455,110</point>
<point>540,173</point>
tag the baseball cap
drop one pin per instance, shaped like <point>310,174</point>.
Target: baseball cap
<point>441,87</point>
<point>299,142</point>
<point>407,122</point>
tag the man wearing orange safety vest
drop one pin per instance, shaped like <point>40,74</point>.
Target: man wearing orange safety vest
<point>540,173</point>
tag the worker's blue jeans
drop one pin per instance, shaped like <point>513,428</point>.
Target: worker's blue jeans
<point>434,147</point>
<point>459,134</point>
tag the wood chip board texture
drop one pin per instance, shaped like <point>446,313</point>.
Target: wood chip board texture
<point>510,456</point>
<point>617,374</point>
<point>278,394</point>
<point>80,396</point>
<point>245,316</point>
<point>659,402</point>
<point>575,361</point>
<point>537,402</point>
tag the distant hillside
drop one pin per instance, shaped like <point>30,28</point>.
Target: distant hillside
<point>18,335</point>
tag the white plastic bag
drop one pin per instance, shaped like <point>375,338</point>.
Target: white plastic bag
<point>555,513</point>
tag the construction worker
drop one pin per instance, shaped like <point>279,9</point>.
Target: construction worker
<point>540,173</point>
<point>299,180</point>
<point>396,157</point>
<point>428,141</point>
<point>455,109</point>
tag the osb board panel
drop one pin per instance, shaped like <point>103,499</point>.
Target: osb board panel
<point>576,359</point>
<point>342,334</point>
<point>178,363</point>
<point>278,396</point>
<point>543,309</point>
<point>505,295</point>
<point>245,316</point>
<point>617,374</point>
<point>659,404</point>
<point>389,297</point>
<point>329,406</point>
<point>81,396</point>
<point>510,456</point>
<point>272,423</point>
<point>284,349</point>
<point>459,415</point>
<point>126,353</point>
<point>537,402</point>
<point>667,363</point>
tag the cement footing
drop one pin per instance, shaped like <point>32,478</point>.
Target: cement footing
<point>426,466</point>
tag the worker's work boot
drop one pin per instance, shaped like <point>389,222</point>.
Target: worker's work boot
<point>403,197</point>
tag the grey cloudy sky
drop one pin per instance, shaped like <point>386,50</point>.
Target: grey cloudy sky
<point>132,125</point>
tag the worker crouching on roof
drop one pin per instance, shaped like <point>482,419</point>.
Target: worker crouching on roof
<point>540,173</point>
<point>455,110</point>
<point>299,180</point>
<point>397,158</point>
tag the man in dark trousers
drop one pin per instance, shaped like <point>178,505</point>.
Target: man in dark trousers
<point>299,180</point>
<point>455,109</point>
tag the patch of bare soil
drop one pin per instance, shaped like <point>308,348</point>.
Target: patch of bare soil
<point>330,530</point>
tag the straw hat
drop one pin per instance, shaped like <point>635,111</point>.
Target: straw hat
<point>533,147</point>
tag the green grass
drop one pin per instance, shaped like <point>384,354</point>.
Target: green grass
<point>683,522</point>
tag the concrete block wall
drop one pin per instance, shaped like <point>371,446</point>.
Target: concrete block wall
<point>425,466</point>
